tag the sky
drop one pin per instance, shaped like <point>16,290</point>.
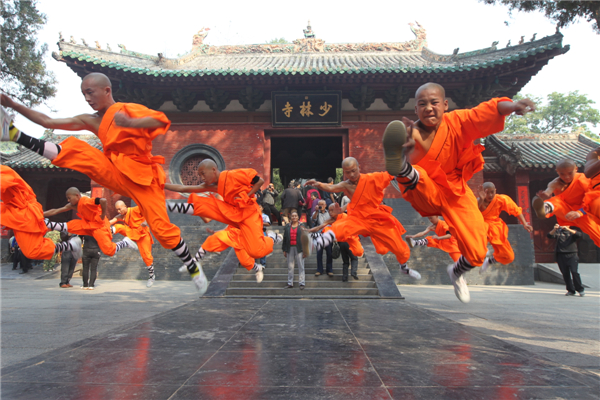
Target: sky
<point>153,27</point>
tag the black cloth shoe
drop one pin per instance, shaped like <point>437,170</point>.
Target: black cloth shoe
<point>289,287</point>
<point>355,276</point>
<point>570,294</point>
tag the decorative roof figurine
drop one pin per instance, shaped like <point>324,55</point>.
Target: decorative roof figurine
<point>108,47</point>
<point>308,32</point>
<point>72,41</point>
<point>122,47</point>
<point>421,35</point>
<point>494,45</point>
<point>522,40</point>
<point>198,38</point>
<point>508,44</point>
<point>98,46</point>
<point>60,37</point>
<point>84,42</point>
<point>533,37</point>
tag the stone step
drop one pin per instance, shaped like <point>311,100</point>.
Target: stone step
<point>336,270</point>
<point>351,284</point>
<point>296,293</point>
<point>259,291</point>
<point>309,277</point>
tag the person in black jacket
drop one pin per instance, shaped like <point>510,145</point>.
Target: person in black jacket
<point>566,257</point>
<point>292,251</point>
<point>90,258</point>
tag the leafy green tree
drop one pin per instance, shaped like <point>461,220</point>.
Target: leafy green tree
<point>563,113</point>
<point>562,12</point>
<point>277,41</point>
<point>23,70</point>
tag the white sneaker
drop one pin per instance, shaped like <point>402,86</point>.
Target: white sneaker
<point>277,238</point>
<point>461,289</point>
<point>199,279</point>
<point>259,272</point>
<point>414,274</point>
<point>411,242</point>
<point>130,243</point>
<point>5,124</point>
<point>183,268</point>
<point>486,262</point>
<point>77,249</point>
<point>150,281</point>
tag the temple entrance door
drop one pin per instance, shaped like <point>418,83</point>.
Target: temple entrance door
<point>306,156</point>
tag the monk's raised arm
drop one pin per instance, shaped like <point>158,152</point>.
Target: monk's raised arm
<point>338,187</point>
<point>54,211</point>
<point>592,165</point>
<point>519,107</point>
<point>77,123</point>
<point>190,189</point>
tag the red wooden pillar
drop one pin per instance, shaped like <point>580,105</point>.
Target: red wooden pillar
<point>523,201</point>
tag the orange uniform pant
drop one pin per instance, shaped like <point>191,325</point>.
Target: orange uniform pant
<point>591,201</point>
<point>353,242</point>
<point>248,221</point>
<point>460,212</point>
<point>386,235</point>
<point>440,244</point>
<point>229,237</point>
<point>585,222</point>
<point>503,251</point>
<point>34,245</point>
<point>80,156</point>
<point>102,235</point>
<point>144,244</point>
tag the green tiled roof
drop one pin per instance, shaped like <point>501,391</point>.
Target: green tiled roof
<point>308,63</point>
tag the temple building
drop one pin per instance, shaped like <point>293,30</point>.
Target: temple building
<point>301,107</point>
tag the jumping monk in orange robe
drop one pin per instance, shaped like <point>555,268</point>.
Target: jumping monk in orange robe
<point>93,222</point>
<point>131,223</point>
<point>569,189</point>
<point>126,164</point>
<point>366,215</point>
<point>442,239</point>
<point>20,211</point>
<point>491,205</point>
<point>433,159</point>
<point>238,207</point>
<point>591,200</point>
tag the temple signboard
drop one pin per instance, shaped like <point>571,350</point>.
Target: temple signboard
<point>322,108</point>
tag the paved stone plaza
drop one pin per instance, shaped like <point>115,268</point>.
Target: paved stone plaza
<point>124,341</point>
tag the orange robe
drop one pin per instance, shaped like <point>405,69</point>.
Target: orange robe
<point>353,241</point>
<point>127,166</point>
<point>21,212</point>
<point>236,209</point>
<point>497,229</point>
<point>91,224</point>
<point>572,199</point>
<point>226,238</point>
<point>368,217</point>
<point>591,200</point>
<point>137,232</point>
<point>450,245</point>
<point>444,170</point>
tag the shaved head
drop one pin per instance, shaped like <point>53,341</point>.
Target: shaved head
<point>98,79</point>
<point>120,203</point>
<point>207,163</point>
<point>73,191</point>
<point>349,162</point>
<point>431,86</point>
<point>488,185</point>
<point>566,164</point>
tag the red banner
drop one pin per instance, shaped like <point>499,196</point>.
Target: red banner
<point>523,202</point>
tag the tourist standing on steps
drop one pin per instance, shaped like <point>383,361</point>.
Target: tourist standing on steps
<point>567,258</point>
<point>269,195</point>
<point>292,251</point>
<point>90,259</point>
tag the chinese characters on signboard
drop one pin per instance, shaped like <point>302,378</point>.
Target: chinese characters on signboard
<point>306,108</point>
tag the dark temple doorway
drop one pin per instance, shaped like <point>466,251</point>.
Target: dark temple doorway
<point>306,157</point>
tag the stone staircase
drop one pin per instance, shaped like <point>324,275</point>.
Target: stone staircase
<point>243,283</point>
